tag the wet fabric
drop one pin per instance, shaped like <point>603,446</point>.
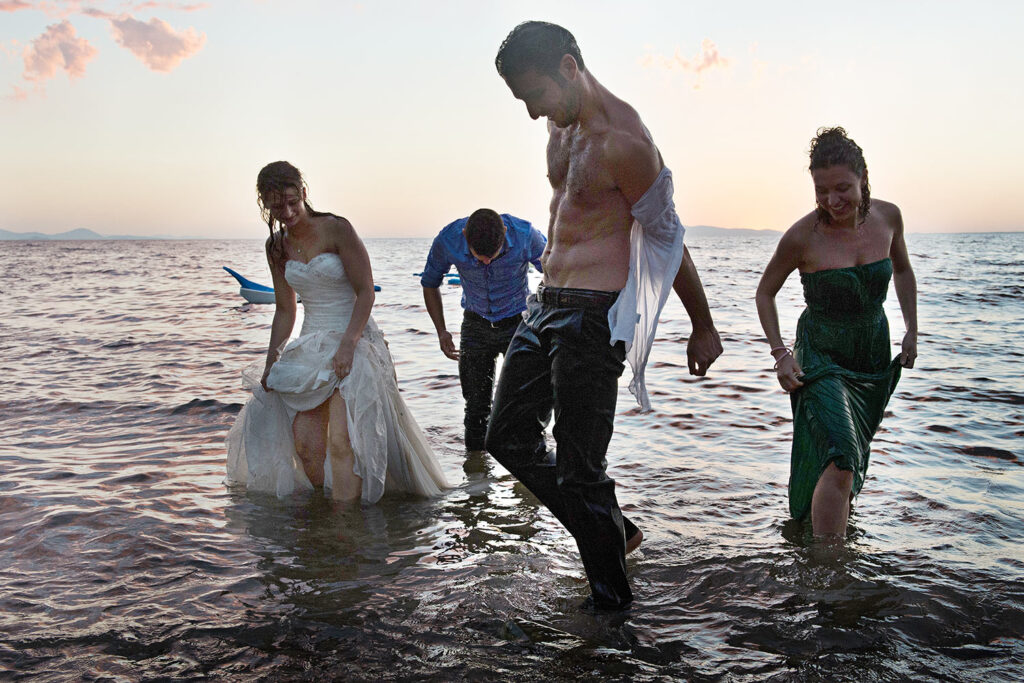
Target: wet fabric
<point>843,347</point>
<point>494,291</point>
<point>480,344</point>
<point>391,452</point>
<point>655,252</point>
<point>560,363</point>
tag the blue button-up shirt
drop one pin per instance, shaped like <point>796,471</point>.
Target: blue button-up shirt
<point>495,291</point>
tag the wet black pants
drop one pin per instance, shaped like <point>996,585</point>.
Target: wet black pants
<point>480,343</point>
<point>560,363</point>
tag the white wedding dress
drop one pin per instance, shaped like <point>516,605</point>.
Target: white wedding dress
<point>391,453</point>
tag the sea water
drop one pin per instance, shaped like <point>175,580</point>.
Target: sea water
<point>125,557</point>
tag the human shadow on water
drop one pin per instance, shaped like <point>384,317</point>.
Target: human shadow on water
<point>457,580</point>
<point>503,527</point>
<point>343,588</point>
<point>490,513</point>
<point>319,554</point>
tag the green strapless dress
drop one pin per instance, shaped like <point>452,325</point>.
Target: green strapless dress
<point>843,347</point>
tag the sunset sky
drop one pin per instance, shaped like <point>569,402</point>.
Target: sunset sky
<point>154,117</point>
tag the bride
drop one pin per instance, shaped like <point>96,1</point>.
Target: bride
<point>326,411</point>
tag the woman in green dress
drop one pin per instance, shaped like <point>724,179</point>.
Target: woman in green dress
<point>839,374</point>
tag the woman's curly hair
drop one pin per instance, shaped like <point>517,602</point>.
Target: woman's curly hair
<point>833,147</point>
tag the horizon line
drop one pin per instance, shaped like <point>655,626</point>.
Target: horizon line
<point>100,237</point>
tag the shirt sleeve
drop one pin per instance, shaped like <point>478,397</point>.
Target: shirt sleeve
<point>656,249</point>
<point>438,263</point>
<point>537,243</point>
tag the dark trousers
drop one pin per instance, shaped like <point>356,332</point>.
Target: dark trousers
<point>480,342</point>
<point>560,363</point>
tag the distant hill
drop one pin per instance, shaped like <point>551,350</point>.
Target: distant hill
<point>712,231</point>
<point>76,234</point>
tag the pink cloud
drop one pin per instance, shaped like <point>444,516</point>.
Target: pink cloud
<point>179,6</point>
<point>59,9</point>
<point>96,13</point>
<point>708,58</point>
<point>156,43</point>
<point>18,94</point>
<point>57,48</point>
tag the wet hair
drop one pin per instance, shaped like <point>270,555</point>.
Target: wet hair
<point>536,45</point>
<point>485,231</point>
<point>832,147</point>
<point>276,178</point>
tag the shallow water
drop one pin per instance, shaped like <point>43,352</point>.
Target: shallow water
<point>126,557</point>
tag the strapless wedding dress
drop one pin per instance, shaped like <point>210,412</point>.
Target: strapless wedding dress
<point>391,453</point>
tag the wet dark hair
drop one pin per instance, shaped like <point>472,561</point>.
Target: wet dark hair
<point>536,45</point>
<point>276,178</point>
<point>833,147</point>
<point>485,231</point>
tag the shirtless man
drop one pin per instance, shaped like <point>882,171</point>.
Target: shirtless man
<point>568,353</point>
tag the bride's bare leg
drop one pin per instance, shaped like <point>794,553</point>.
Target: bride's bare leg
<point>346,485</point>
<point>309,430</point>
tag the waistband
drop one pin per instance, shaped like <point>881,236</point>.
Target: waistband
<point>568,297</point>
<point>504,322</point>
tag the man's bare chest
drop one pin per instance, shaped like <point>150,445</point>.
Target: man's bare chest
<point>576,167</point>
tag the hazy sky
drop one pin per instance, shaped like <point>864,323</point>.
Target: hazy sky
<point>154,117</point>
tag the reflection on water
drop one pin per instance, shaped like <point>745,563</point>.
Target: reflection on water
<point>126,557</point>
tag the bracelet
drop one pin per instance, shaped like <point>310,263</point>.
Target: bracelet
<point>779,359</point>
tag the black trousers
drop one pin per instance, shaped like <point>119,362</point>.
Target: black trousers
<point>480,342</point>
<point>560,362</point>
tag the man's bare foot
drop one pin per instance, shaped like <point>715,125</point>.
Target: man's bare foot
<point>633,542</point>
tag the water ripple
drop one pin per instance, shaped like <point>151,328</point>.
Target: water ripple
<point>126,556</point>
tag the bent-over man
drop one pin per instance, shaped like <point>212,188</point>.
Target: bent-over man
<point>492,254</point>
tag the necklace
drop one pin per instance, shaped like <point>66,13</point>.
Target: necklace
<point>294,243</point>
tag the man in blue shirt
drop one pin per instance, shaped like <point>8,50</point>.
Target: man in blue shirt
<point>492,254</point>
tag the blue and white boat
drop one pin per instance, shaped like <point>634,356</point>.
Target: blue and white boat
<point>255,293</point>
